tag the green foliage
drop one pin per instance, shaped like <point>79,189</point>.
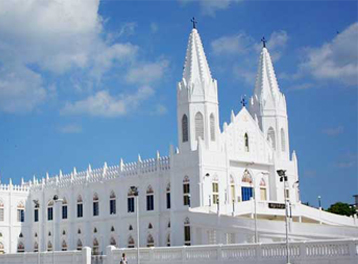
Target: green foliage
<point>342,209</point>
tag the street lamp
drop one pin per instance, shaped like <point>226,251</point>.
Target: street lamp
<point>37,205</point>
<point>319,202</point>
<point>135,193</point>
<point>56,200</point>
<point>283,178</point>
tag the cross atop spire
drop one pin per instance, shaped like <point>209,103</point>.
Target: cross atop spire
<point>194,22</point>
<point>243,100</point>
<point>263,40</point>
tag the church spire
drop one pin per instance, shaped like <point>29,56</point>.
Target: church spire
<point>196,67</point>
<point>266,83</point>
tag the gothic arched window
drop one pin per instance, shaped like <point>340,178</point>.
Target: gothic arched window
<point>185,128</point>
<point>36,247</point>
<point>64,246</point>
<point>212,127</point>
<point>199,126</point>
<point>263,190</point>
<point>95,247</point>
<point>186,190</point>
<point>112,242</point>
<point>187,232</point>
<point>2,249</point>
<point>246,138</point>
<point>95,205</point>
<point>20,247</point>
<point>130,242</point>
<point>112,203</point>
<point>271,138</point>
<point>79,207</point>
<point>283,140</point>
<point>49,246</point>
<point>150,198</point>
<point>246,188</point>
<point>150,241</point>
<point>2,211</point>
<point>79,244</point>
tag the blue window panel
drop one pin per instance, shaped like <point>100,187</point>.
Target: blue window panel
<point>246,193</point>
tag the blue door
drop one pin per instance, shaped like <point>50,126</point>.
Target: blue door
<point>246,193</point>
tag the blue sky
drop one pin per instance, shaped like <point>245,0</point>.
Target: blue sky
<point>93,81</point>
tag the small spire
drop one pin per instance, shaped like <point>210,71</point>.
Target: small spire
<point>158,154</point>
<point>263,40</point>
<point>194,22</point>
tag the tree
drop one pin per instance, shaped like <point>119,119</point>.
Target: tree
<point>342,209</point>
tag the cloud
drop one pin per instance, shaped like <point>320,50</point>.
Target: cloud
<point>21,89</point>
<point>333,131</point>
<point>241,51</point>
<point>146,73</point>
<point>105,105</point>
<point>160,110</point>
<point>336,60</point>
<point>71,129</point>
<point>209,7</point>
<point>349,161</point>
<point>232,45</point>
<point>300,87</point>
<point>154,27</point>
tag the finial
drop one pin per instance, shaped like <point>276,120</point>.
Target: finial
<point>263,40</point>
<point>194,22</point>
<point>243,100</point>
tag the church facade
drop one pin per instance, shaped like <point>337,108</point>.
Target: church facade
<point>220,185</point>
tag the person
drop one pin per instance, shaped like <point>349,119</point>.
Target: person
<point>123,259</point>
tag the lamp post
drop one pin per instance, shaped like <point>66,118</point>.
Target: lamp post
<point>284,179</point>
<point>37,205</point>
<point>319,202</point>
<point>56,200</point>
<point>135,192</point>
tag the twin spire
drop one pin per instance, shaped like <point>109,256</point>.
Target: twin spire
<point>196,67</point>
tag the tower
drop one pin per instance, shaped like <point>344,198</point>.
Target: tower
<point>197,100</point>
<point>269,105</point>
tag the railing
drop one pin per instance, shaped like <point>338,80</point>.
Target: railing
<point>336,251</point>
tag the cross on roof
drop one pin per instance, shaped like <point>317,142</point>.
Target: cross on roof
<point>243,100</point>
<point>194,22</point>
<point>264,42</point>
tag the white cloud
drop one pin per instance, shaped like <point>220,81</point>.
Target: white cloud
<point>209,7</point>
<point>335,131</point>
<point>160,110</point>
<point>71,129</point>
<point>232,45</point>
<point>147,73</point>
<point>105,105</point>
<point>20,89</point>
<point>154,27</point>
<point>336,60</point>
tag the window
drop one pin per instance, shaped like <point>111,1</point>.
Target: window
<point>21,212</point>
<point>212,237</point>
<point>79,231</point>
<point>20,247</point>
<point>95,230</point>
<point>283,140</point>
<point>79,207</point>
<point>215,192</point>
<point>168,196</point>
<point>2,249</point>
<point>246,139</point>
<point>184,124</point>
<point>49,246</point>
<point>131,242</point>
<point>2,211</point>
<point>212,127</point>
<point>36,215</point>
<point>187,237</point>
<point>168,240</point>
<point>79,244</point>
<point>64,246</point>
<point>95,247</point>
<point>130,201</point>
<point>36,247</point>
<point>271,138</point>
<point>150,226</point>
<point>263,192</point>
<point>95,205</point>
<point>150,241</point>
<point>199,126</point>
<point>186,190</point>
<point>150,198</point>
<point>246,189</point>
<point>112,242</point>
<point>64,209</point>
<point>112,229</point>
<point>50,212</point>
<point>112,204</point>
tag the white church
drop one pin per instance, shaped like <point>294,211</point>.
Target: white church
<point>219,186</point>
